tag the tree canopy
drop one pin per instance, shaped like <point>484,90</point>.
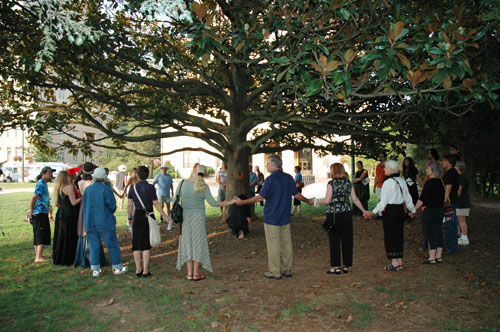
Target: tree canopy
<point>246,77</point>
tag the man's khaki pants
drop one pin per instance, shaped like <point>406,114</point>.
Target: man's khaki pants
<point>279,246</point>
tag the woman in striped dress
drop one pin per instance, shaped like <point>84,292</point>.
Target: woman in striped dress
<point>193,243</point>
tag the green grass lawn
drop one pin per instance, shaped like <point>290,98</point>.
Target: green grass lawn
<point>44,297</point>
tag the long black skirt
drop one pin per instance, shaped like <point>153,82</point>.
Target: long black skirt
<point>65,240</point>
<point>394,222</point>
<point>237,218</point>
<point>140,231</point>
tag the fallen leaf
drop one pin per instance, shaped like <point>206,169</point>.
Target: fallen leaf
<point>349,319</point>
<point>477,293</point>
<point>190,317</point>
<point>269,320</point>
<point>106,303</point>
<point>160,329</point>
<point>125,311</point>
<point>278,315</point>
<point>483,284</point>
<point>316,286</point>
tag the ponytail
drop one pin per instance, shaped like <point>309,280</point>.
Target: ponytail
<point>199,183</point>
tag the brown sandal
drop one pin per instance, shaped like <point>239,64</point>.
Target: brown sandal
<point>189,277</point>
<point>198,277</point>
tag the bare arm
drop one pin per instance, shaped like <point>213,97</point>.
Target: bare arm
<point>255,199</point>
<point>158,207</point>
<point>32,204</point>
<point>361,178</point>
<point>299,196</point>
<point>328,195</point>
<point>68,190</point>
<point>460,190</point>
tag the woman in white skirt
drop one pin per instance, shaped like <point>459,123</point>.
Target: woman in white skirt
<point>193,243</point>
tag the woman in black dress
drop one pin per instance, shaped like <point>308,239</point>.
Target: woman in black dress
<point>361,183</point>
<point>238,218</point>
<point>65,235</point>
<point>139,220</point>
<point>410,175</point>
<point>432,199</point>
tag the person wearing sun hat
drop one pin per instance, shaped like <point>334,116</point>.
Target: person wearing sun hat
<point>99,206</point>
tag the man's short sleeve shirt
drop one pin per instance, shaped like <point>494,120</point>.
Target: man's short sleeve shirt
<point>164,182</point>
<point>43,202</point>
<point>278,190</point>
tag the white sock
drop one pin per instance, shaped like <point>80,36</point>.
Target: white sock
<point>464,237</point>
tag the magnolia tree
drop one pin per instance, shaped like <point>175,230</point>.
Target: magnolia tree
<point>246,77</point>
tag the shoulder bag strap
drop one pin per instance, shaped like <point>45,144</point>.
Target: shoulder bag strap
<point>178,196</point>
<point>139,198</point>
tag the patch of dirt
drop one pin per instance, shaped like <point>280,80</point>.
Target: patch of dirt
<point>463,292</point>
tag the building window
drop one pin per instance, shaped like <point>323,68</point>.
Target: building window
<point>9,153</point>
<point>75,157</point>
<point>187,159</point>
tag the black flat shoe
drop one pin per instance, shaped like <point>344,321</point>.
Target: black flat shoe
<point>139,274</point>
<point>429,262</point>
<point>345,269</point>
<point>148,275</point>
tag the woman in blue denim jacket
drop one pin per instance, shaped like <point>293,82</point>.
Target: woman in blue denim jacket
<point>99,206</point>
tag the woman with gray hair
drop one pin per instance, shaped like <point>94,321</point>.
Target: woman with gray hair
<point>432,198</point>
<point>392,196</point>
<point>193,243</point>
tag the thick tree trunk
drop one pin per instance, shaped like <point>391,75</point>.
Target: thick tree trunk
<point>238,181</point>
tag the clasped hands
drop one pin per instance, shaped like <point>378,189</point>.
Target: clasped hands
<point>369,215</point>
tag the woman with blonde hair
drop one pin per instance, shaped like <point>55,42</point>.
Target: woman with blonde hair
<point>193,243</point>
<point>338,222</point>
<point>65,235</point>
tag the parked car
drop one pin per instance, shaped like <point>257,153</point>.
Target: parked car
<point>35,169</point>
<point>12,171</point>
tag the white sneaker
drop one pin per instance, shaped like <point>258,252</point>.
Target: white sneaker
<point>96,273</point>
<point>123,270</point>
<point>463,242</point>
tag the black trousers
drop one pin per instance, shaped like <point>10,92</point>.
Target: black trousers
<point>394,222</point>
<point>433,221</point>
<point>341,241</point>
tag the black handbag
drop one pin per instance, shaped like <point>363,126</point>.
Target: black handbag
<point>176,212</point>
<point>329,224</point>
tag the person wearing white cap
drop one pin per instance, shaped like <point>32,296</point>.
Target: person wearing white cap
<point>193,243</point>
<point>99,205</point>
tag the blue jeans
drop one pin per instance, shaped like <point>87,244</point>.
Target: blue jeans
<point>451,232</point>
<point>95,247</point>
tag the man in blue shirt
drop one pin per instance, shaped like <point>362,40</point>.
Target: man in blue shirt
<point>165,185</point>
<point>277,190</point>
<point>253,181</point>
<point>39,213</point>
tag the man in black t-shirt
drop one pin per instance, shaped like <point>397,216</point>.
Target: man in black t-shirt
<point>451,180</point>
